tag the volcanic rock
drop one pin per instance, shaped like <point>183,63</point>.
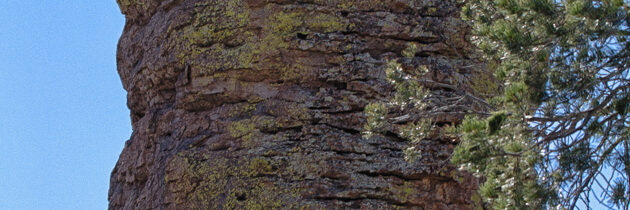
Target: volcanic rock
<point>259,104</point>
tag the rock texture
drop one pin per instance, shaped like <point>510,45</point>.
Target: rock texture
<point>258,104</point>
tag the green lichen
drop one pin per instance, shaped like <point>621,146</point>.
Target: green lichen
<point>261,166</point>
<point>298,112</point>
<point>217,21</point>
<point>431,11</point>
<point>345,5</point>
<point>293,72</point>
<point>233,184</point>
<point>484,85</point>
<point>357,4</point>
<point>126,4</point>
<point>283,23</point>
<point>405,191</point>
<point>477,203</point>
<point>243,109</point>
<point>249,130</point>
<point>243,129</point>
<point>214,22</point>
<point>219,32</point>
<point>327,23</point>
<point>255,100</point>
<point>408,190</point>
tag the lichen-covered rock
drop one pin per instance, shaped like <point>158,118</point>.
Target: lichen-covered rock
<point>258,104</point>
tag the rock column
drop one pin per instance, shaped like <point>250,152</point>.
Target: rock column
<point>258,104</point>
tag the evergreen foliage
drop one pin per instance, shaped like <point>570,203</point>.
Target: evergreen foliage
<point>410,95</point>
<point>560,134</point>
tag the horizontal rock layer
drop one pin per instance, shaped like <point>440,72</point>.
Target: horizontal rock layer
<point>258,104</point>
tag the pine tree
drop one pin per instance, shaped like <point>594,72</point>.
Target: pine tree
<point>558,134</point>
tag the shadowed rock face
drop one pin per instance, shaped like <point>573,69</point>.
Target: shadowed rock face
<point>258,104</point>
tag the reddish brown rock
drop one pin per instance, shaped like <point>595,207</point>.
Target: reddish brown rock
<point>258,104</point>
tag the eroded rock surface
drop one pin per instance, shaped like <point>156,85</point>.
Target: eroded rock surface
<point>258,104</point>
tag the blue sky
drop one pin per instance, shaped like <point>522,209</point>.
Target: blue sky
<point>63,118</point>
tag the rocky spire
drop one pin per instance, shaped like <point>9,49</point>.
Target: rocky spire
<point>258,104</point>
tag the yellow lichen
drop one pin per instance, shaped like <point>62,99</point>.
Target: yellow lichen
<point>232,184</point>
<point>210,28</point>
<point>260,165</point>
<point>484,85</point>
<point>242,129</point>
<point>326,23</point>
<point>242,109</point>
<point>477,203</point>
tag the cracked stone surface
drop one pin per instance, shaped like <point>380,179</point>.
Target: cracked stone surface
<point>258,104</point>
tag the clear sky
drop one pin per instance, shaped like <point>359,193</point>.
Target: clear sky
<point>63,118</point>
